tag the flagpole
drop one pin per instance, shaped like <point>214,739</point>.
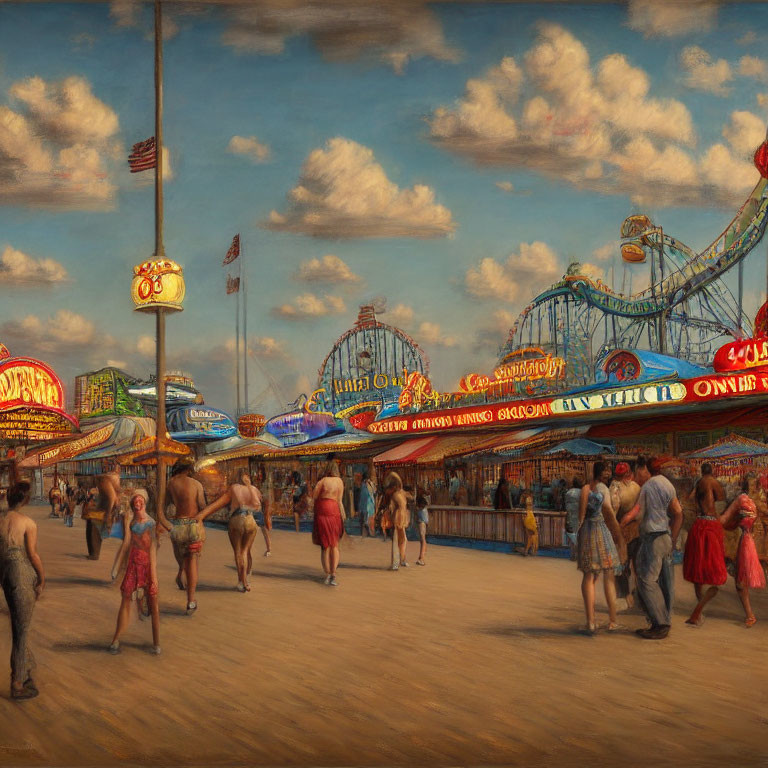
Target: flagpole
<point>237,346</point>
<point>159,254</point>
<point>245,331</point>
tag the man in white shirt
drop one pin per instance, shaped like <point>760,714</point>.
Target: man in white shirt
<point>657,504</point>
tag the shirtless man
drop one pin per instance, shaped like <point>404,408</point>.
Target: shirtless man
<point>187,531</point>
<point>707,492</point>
<point>398,515</point>
<point>244,501</point>
<point>99,510</point>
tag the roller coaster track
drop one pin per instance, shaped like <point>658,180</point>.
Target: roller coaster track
<point>686,308</point>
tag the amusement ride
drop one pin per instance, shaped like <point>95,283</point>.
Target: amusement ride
<point>683,313</point>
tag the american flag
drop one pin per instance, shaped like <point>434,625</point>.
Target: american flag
<point>233,284</point>
<point>143,156</point>
<point>233,252</point>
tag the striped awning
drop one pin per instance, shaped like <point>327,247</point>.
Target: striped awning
<point>730,446</point>
<point>454,446</point>
<point>406,452</point>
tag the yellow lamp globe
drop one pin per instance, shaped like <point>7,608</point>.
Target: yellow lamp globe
<point>158,283</point>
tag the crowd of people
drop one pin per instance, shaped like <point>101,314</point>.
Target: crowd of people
<point>628,533</point>
<point>623,524</point>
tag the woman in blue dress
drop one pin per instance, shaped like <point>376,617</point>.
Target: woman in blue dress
<point>597,551</point>
<point>367,505</point>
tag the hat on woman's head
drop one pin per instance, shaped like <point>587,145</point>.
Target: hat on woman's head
<point>140,492</point>
<point>622,469</point>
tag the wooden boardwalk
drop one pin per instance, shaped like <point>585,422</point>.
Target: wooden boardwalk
<point>472,660</point>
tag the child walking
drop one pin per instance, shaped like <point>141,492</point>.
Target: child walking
<point>422,518</point>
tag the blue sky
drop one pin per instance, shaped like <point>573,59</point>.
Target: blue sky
<point>453,159</point>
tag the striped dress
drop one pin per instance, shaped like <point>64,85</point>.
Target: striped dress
<point>597,551</point>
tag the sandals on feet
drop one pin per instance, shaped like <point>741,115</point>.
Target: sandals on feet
<point>191,607</point>
<point>750,621</point>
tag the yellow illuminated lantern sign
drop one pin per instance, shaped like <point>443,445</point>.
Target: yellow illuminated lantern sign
<point>158,284</point>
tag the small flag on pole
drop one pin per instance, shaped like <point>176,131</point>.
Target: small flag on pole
<point>143,156</point>
<point>233,252</point>
<point>233,284</point>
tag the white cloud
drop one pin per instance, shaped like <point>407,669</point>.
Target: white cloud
<point>432,333</point>
<point>327,269</point>
<point>490,280</point>
<point>63,331</point>
<point>662,18</point>
<point>596,126</point>
<point>128,15</point>
<point>745,132</point>
<point>395,32</point>
<point>592,271</point>
<point>249,146</point>
<point>400,316</point>
<point>492,335</point>
<point>703,73</point>
<point>117,364</point>
<point>762,100</point>
<point>56,147</point>
<point>308,305</point>
<point>66,111</point>
<point>145,346</point>
<point>481,113</point>
<point>505,186</point>
<point>534,264</point>
<point>344,192</point>
<point>267,347</point>
<point>720,166</point>
<point>70,328</point>
<point>18,267</point>
<point>748,38</point>
<point>752,66</point>
<point>607,251</point>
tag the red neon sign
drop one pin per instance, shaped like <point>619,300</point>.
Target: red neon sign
<point>29,382</point>
<point>742,355</point>
<point>477,416</point>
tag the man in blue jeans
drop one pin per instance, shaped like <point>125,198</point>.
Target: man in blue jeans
<point>657,506</point>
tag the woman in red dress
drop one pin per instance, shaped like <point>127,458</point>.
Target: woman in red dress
<point>328,526</point>
<point>140,580</point>
<point>742,514</point>
<point>704,559</point>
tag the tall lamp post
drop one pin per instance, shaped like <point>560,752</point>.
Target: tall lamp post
<point>158,284</point>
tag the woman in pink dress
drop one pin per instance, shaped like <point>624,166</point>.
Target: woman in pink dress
<point>742,514</point>
<point>140,580</point>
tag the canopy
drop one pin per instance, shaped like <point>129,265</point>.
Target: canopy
<point>406,452</point>
<point>730,446</point>
<point>125,438</point>
<point>454,446</point>
<point>580,447</point>
<point>536,437</point>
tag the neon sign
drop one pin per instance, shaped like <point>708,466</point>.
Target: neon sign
<point>621,398</point>
<point>740,355</point>
<point>158,283</point>
<point>250,424</point>
<point>716,387</point>
<point>29,423</point>
<point>486,415</point>
<point>29,383</point>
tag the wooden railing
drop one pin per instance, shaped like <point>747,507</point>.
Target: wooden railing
<point>495,524</point>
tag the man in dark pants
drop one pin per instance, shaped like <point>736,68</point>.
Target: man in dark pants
<point>657,505</point>
<point>98,511</point>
